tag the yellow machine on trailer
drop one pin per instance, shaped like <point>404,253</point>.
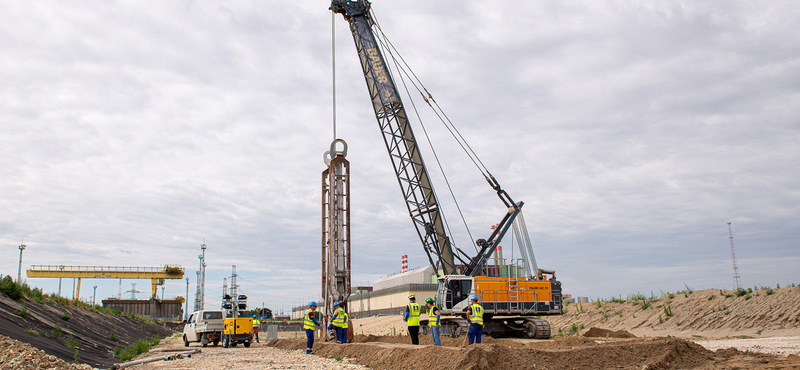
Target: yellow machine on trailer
<point>237,330</point>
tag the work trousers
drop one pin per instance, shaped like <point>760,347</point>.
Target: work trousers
<point>339,333</point>
<point>255,332</point>
<point>475,332</point>
<point>343,339</point>
<point>435,335</point>
<point>413,331</point>
<point>309,340</point>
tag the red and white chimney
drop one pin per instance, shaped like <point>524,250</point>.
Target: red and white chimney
<point>404,262</point>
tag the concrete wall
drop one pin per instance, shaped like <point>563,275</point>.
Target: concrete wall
<point>167,309</point>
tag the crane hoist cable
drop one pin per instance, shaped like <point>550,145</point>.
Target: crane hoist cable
<point>428,97</point>
<point>405,70</point>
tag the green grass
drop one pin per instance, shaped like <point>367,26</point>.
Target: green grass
<point>23,313</point>
<point>56,331</point>
<point>71,342</point>
<point>668,310</point>
<point>135,349</point>
<point>65,316</point>
<point>31,330</point>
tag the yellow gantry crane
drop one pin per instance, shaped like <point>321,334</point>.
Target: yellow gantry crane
<point>157,275</point>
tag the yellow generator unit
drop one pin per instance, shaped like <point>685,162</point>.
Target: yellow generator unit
<point>237,330</point>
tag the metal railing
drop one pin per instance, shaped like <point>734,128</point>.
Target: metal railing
<point>102,268</point>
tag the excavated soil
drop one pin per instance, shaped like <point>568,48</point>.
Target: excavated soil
<point>605,333</point>
<point>379,352</point>
<point>18,355</point>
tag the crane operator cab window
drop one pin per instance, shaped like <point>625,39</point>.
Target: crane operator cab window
<point>457,291</point>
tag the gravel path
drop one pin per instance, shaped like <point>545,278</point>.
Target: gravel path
<point>258,356</point>
<point>781,346</point>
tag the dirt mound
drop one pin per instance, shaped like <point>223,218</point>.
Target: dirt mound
<point>566,353</point>
<point>68,331</point>
<point>423,340</point>
<point>16,355</point>
<point>710,313</point>
<point>605,333</point>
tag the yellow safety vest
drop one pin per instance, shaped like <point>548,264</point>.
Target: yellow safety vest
<point>413,314</point>
<point>256,323</point>
<point>341,316</point>
<point>432,317</point>
<point>476,317</point>
<point>307,322</point>
<point>346,321</point>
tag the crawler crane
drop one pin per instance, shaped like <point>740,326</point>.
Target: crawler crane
<point>512,304</point>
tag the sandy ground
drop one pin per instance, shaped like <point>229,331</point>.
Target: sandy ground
<point>258,356</point>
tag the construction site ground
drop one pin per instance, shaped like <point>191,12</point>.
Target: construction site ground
<point>694,332</point>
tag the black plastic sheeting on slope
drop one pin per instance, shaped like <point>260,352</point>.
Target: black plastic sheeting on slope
<point>92,330</point>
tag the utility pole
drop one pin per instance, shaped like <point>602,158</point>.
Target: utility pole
<point>737,282</point>
<point>60,267</point>
<point>94,294</point>
<point>186,312</point>
<point>162,292</point>
<point>19,272</point>
<point>199,300</point>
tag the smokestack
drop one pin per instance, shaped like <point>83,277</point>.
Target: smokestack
<point>404,263</point>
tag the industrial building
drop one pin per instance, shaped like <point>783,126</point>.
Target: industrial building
<point>153,308</point>
<point>388,295</point>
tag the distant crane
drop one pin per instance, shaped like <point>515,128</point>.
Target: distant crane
<point>737,282</point>
<point>157,275</point>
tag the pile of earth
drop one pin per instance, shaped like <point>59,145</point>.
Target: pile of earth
<point>18,355</point>
<point>605,333</point>
<point>71,333</point>
<point>562,353</point>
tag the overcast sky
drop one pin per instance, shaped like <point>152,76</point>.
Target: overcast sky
<point>132,132</point>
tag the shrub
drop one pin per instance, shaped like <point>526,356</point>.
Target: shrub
<point>65,316</point>
<point>740,292</point>
<point>711,297</point>
<point>770,291</point>
<point>668,310</point>
<point>10,288</point>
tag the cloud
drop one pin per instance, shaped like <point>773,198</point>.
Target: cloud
<point>632,131</point>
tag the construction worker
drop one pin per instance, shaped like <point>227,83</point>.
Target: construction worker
<point>256,324</point>
<point>310,324</point>
<point>339,320</point>
<point>412,318</point>
<point>433,321</point>
<point>345,327</point>
<point>475,317</point>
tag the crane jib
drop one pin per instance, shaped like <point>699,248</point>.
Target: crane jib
<point>380,73</point>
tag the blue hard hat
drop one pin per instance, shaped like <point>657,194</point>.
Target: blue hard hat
<point>336,303</point>
<point>474,297</point>
<point>313,304</point>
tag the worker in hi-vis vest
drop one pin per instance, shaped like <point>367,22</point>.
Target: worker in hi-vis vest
<point>433,321</point>
<point>310,324</point>
<point>256,323</point>
<point>475,317</point>
<point>339,322</point>
<point>412,318</point>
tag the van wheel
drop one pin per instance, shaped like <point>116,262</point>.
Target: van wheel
<point>226,342</point>
<point>185,342</point>
<point>246,344</point>
<point>204,341</point>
